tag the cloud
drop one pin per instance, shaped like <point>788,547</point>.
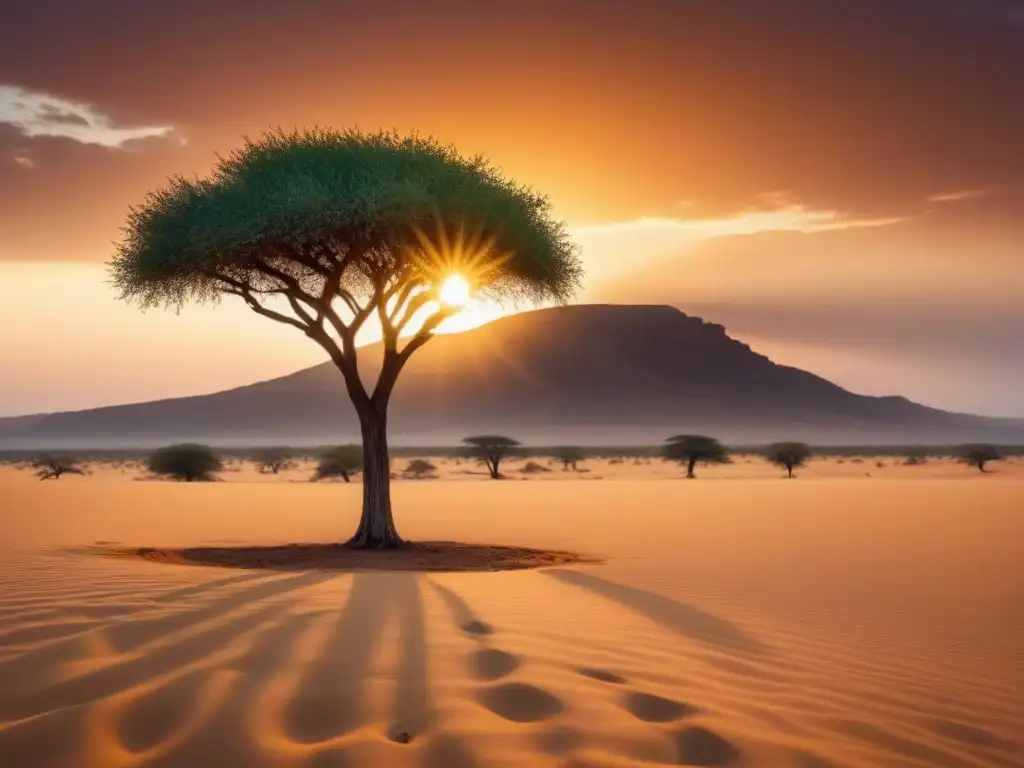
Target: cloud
<point>790,218</point>
<point>37,114</point>
<point>24,161</point>
<point>957,196</point>
<point>612,249</point>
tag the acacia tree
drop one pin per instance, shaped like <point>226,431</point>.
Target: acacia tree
<point>274,460</point>
<point>490,450</point>
<point>52,467</point>
<point>419,469</point>
<point>978,455</point>
<point>692,449</point>
<point>569,456</point>
<point>324,230</point>
<point>789,456</point>
<point>342,461</point>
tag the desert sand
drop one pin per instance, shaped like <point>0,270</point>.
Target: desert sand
<point>838,619</point>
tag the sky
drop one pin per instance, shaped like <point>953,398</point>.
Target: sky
<point>838,182</point>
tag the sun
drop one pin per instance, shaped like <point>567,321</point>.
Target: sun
<point>455,291</point>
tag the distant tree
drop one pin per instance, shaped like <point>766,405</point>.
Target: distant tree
<point>274,460</point>
<point>915,458</point>
<point>342,461</point>
<point>490,450</point>
<point>978,455</point>
<point>569,455</point>
<point>789,456</point>
<point>324,230</point>
<point>52,467</point>
<point>419,469</point>
<point>691,449</point>
<point>186,461</point>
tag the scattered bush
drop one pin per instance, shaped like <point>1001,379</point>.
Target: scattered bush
<point>419,469</point>
<point>533,468</point>
<point>186,461</point>
<point>490,450</point>
<point>978,455</point>
<point>342,461</point>
<point>271,461</point>
<point>569,455</point>
<point>52,467</point>
<point>789,455</point>
<point>691,449</point>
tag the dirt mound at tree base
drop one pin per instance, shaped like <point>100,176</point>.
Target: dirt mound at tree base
<point>414,556</point>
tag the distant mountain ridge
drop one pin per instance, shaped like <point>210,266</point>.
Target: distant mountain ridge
<point>597,374</point>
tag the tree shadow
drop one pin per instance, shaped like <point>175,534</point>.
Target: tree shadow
<point>226,737</point>
<point>34,697</point>
<point>462,613</point>
<point>681,618</point>
<point>412,713</point>
<point>330,701</point>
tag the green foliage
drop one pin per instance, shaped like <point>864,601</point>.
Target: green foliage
<point>292,199</point>
<point>694,449</point>
<point>418,469</point>
<point>788,455</point>
<point>185,461</point>
<point>978,455</point>
<point>274,460</point>
<point>50,467</point>
<point>490,450</point>
<point>569,455</point>
<point>341,461</point>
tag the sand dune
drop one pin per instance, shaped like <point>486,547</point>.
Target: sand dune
<point>740,620</point>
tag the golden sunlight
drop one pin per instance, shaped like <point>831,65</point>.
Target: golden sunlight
<point>455,291</point>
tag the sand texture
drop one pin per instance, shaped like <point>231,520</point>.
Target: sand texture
<point>740,619</point>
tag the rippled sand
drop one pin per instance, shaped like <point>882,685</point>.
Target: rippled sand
<point>834,620</point>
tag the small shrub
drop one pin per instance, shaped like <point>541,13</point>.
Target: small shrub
<point>419,469</point>
<point>342,461</point>
<point>52,467</point>
<point>186,461</point>
<point>533,468</point>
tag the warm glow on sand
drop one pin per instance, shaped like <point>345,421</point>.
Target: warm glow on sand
<point>840,620</point>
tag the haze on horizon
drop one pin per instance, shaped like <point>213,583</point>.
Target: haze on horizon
<point>845,194</point>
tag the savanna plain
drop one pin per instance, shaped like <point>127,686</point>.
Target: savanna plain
<point>858,615</point>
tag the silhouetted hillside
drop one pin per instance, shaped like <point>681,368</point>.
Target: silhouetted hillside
<point>589,373</point>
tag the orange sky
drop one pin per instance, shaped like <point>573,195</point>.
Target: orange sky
<point>848,190</point>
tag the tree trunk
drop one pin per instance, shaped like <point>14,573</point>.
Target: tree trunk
<point>689,468</point>
<point>789,469</point>
<point>376,525</point>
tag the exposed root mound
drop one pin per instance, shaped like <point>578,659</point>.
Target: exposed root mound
<point>413,556</point>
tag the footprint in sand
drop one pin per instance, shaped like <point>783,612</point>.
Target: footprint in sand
<point>643,706</point>
<point>520,702</point>
<point>656,709</point>
<point>493,664</point>
<point>517,702</point>
<point>699,746</point>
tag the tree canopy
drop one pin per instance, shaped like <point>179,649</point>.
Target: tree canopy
<point>788,455</point>
<point>978,455</point>
<point>185,461</point>
<point>694,449</point>
<point>569,455</point>
<point>341,461</point>
<point>490,450</point>
<point>274,460</point>
<point>52,467</point>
